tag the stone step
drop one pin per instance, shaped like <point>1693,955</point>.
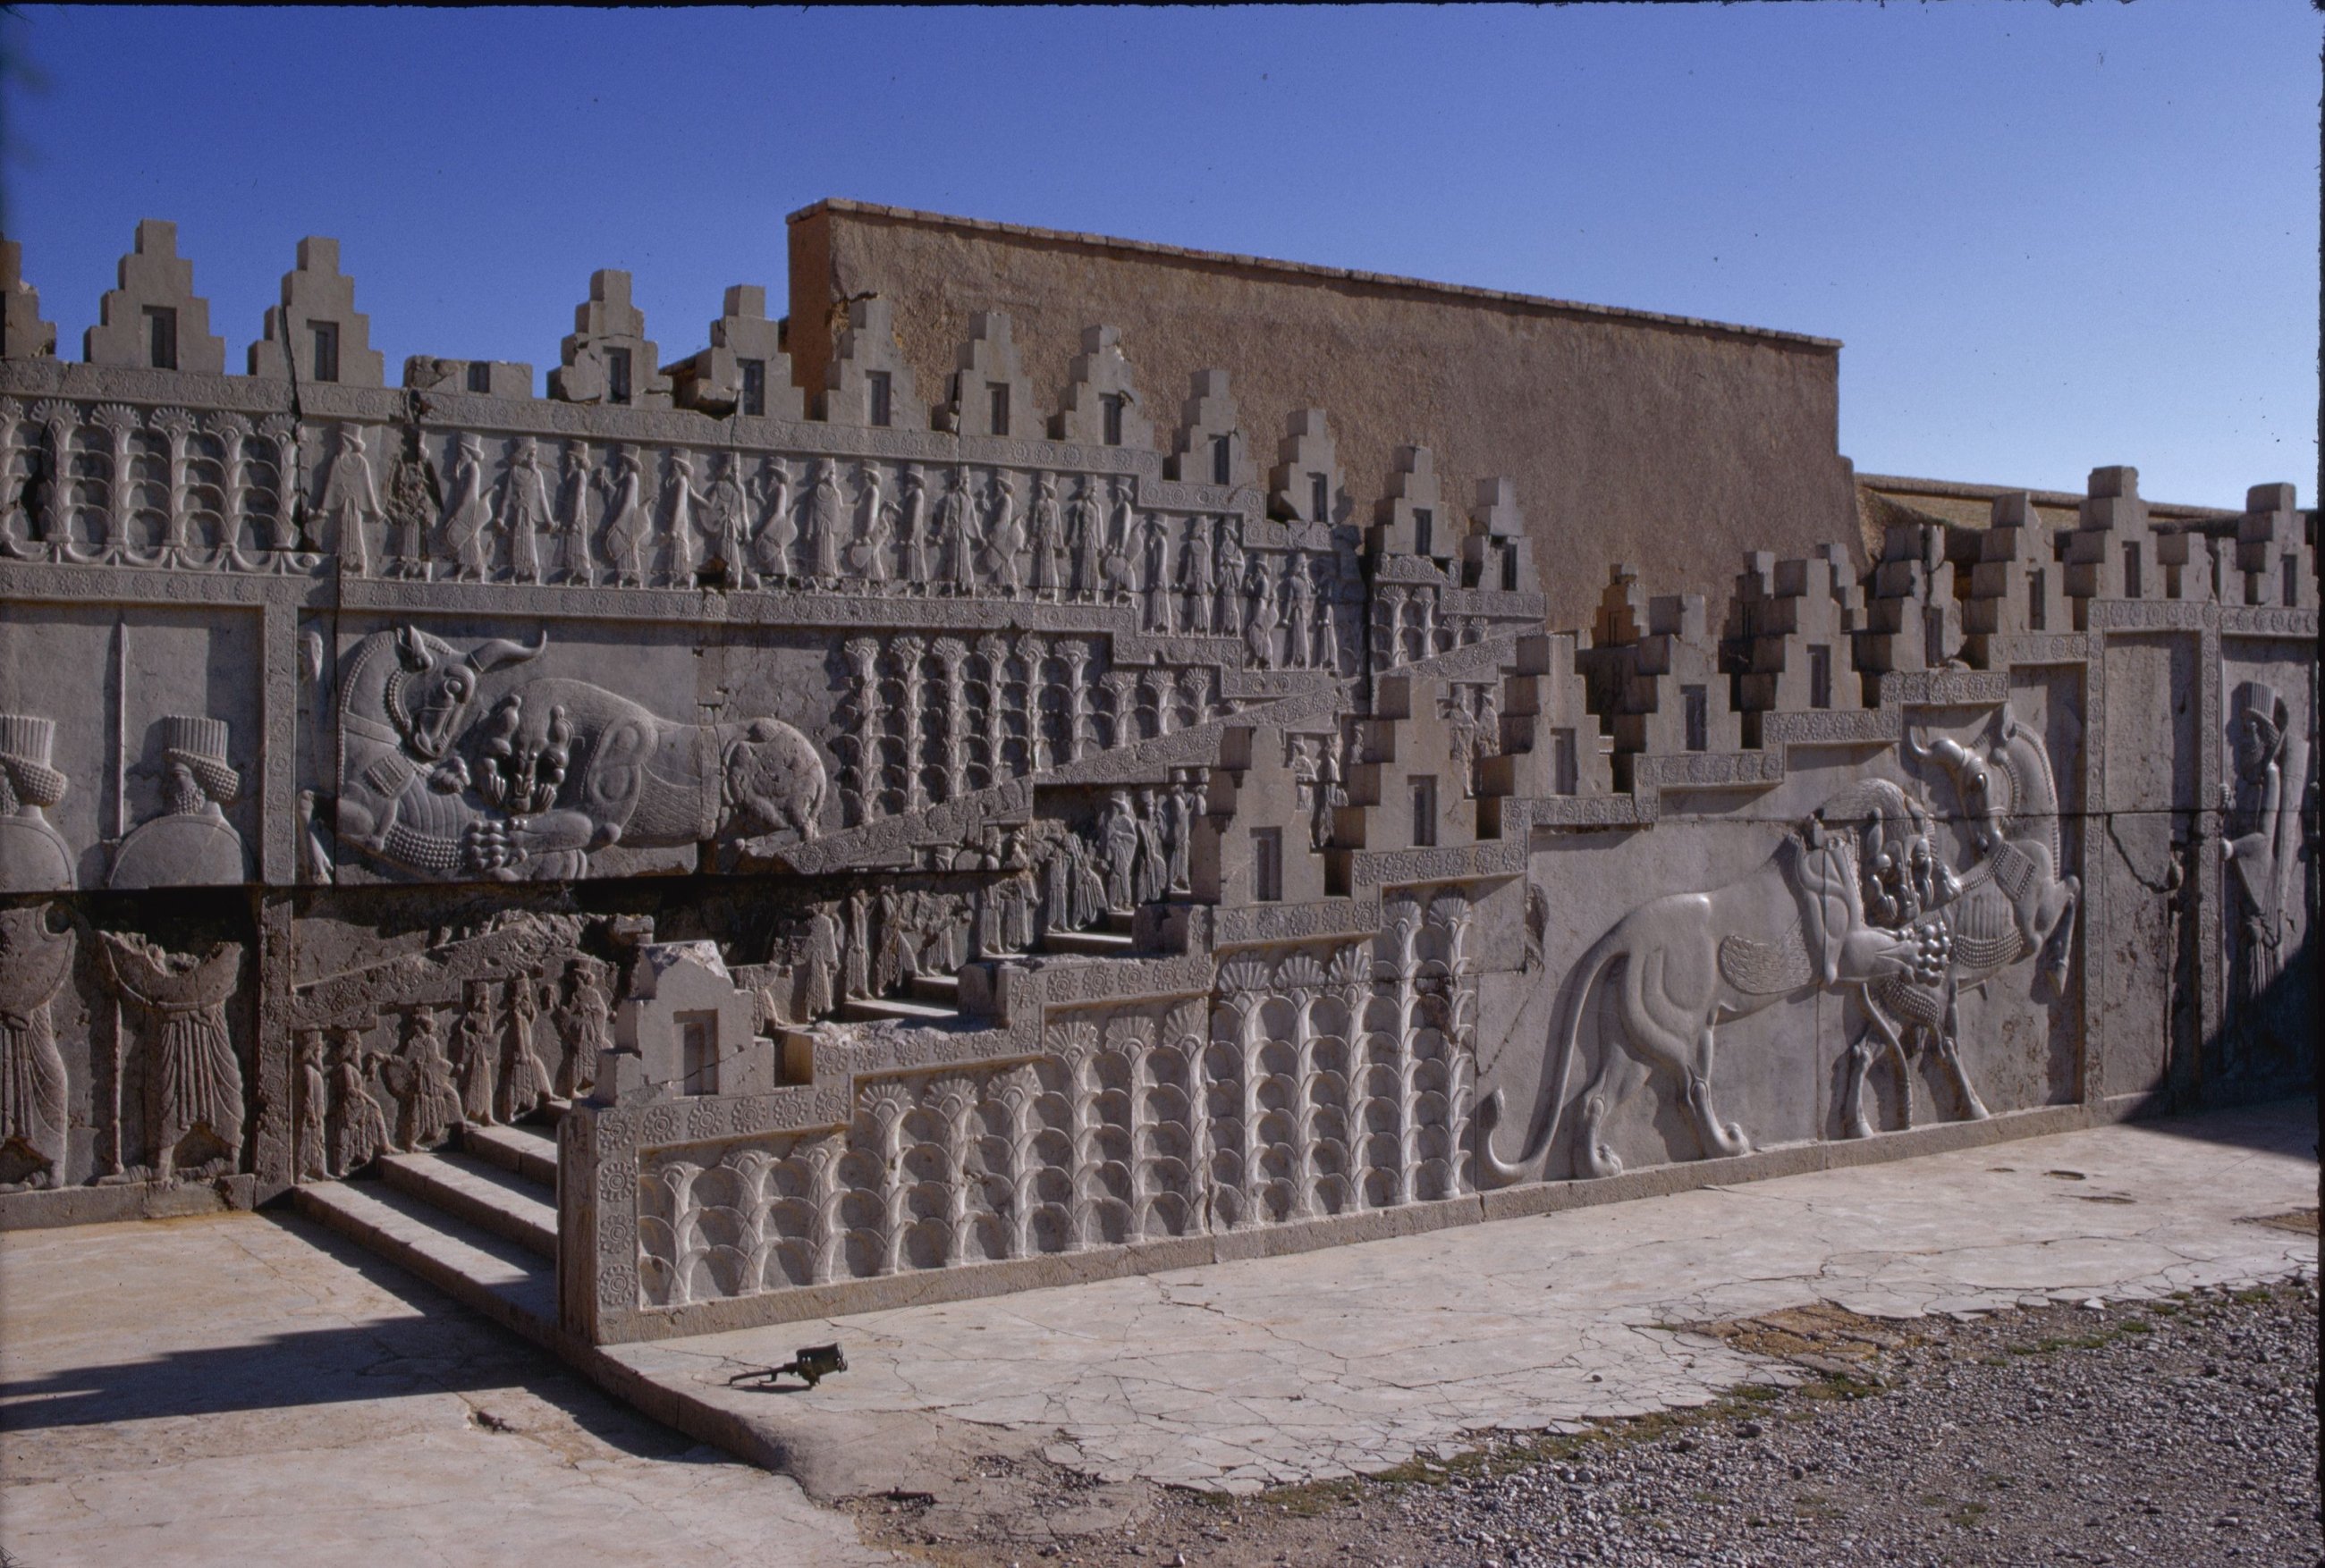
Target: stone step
<point>485,1196</point>
<point>486,1273</point>
<point>526,1151</point>
<point>944,989</point>
<point>1102,943</point>
<point>552,1112</point>
<point>870,1008</point>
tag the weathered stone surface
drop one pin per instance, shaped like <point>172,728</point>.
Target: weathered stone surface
<point>947,845</point>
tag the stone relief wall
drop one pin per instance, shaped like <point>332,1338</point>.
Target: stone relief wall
<point>908,840</point>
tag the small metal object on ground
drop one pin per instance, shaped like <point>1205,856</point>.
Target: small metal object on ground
<point>811,1364</point>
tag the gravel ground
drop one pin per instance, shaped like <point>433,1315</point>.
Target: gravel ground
<point>2180,1432</point>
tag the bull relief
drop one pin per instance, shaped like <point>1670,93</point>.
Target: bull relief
<point>555,771</point>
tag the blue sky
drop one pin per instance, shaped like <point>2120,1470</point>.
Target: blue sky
<point>2051,237</point>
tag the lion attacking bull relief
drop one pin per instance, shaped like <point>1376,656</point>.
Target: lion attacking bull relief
<point>557,770</point>
<point>1857,899</point>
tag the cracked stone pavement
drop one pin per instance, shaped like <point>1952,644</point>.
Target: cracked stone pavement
<point>1353,1358</point>
<point>237,1390</point>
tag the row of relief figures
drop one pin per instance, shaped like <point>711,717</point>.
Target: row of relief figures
<point>121,486</point>
<point>1043,877</point>
<point>166,1089</point>
<point>1311,1083</point>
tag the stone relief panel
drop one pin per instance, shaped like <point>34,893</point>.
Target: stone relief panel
<point>446,773</point>
<point>1869,919</point>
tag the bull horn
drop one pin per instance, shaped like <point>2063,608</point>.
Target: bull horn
<point>1913,746</point>
<point>490,656</point>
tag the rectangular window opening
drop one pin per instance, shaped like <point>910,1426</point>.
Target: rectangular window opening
<point>617,375</point>
<point>1222,459</point>
<point>161,336</point>
<point>2038,614</point>
<point>1424,525</point>
<point>1933,638</point>
<point>2291,566</point>
<point>1509,568</point>
<point>998,391</point>
<point>1319,498</point>
<point>1562,767</point>
<point>1267,864</point>
<point>754,400</point>
<point>326,361</point>
<point>875,399</point>
<point>698,1051</point>
<point>1111,407</point>
<point>1424,813</point>
<point>1695,705</point>
<point>2131,570</point>
<point>1819,677</point>
<point>480,376</point>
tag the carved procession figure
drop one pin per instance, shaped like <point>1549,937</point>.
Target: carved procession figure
<point>585,1028</point>
<point>1006,540</point>
<point>819,538</point>
<point>1082,541</point>
<point>1296,592</point>
<point>628,526</point>
<point>1118,838</point>
<point>1259,625</point>
<point>680,498</point>
<point>955,528</point>
<point>193,1078</point>
<point>33,856</point>
<point>575,486</point>
<point>1195,576</point>
<point>1045,526</point>
<point>358,1132</point>
<point>476,1055</point>
<point>410,503</point>
<point>310,1145</point>
<point>867,556</point>
<point>913,528</point>
<point>2270,756</point>
<point>725,519</point>
<point>351,500</point>
<point>779,528</point>
<point>524,1083</point>
<point>34,1109</point>
<point>467,514</point>
<point>190,844</point>
<point>427,1100</point>
<point>525,510</point>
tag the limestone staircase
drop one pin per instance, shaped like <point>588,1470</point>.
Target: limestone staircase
<point>477,1219</point>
